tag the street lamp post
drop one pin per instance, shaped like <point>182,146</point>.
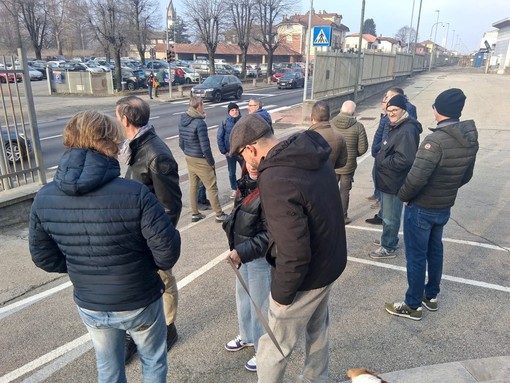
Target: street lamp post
<point>168,23</point>
<point>453,39</point>
<point>433,42</point>
<point>446,40</point>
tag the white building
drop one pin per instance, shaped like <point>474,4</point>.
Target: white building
<point>502,50</point>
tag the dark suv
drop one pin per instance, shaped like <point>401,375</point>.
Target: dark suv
<point>16,146</point>
<point>218,87</point>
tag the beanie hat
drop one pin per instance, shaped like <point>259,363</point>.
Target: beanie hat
<point>450,103</point>
<point>231,106</point>
<point>246,131</point>
<point>398,100</point>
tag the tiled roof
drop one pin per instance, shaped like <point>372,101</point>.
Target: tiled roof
<point>366,36</point>
<point>228,49</point>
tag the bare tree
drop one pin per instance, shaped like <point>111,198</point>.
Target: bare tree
<point>406,35</point>
<point>34,16</point>
<point>143,19</point>
<point>208,20</point>
<point>57,12</point>
<point>242,18</point>
<point>268,11</point>
<point>105,17</point>
<point>12,7</point>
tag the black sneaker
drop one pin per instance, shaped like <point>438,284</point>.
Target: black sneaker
<point>197,217</point>
<point>171,336</point>
<point>374,221</point>
<point>129,348</point>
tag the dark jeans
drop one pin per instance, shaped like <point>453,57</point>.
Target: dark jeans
<point>423,233</point>
<point>346,181</point>
<point>232,166</point>
<point>202,197</point>
<point>391,214</point>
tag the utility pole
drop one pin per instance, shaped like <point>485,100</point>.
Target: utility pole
<point>416,37</point>
<point>433,42</point>
<point>168,23</point>
<point>308,39</point>
<point>358,66</point>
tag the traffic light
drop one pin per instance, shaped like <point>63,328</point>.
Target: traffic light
<point>170,54</point>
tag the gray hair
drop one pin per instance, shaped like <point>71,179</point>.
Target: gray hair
<point>348,107</point>
<point>195,101</point>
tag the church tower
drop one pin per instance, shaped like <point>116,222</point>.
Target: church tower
<point>170,15</point>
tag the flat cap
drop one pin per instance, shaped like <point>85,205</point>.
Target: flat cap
<point>246,131</point>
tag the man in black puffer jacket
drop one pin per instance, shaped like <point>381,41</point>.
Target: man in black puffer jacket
<point>111,235</point>
<point>444,162</point>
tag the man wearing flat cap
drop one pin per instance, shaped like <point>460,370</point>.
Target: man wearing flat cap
<point>444,162</point>
<point>307,247</point>
<point>392,163</point>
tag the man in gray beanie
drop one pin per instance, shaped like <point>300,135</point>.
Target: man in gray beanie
<point>444,162</point>
<point>392,163</point>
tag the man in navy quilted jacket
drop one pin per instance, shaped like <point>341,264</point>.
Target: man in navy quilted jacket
<point>111,235</point>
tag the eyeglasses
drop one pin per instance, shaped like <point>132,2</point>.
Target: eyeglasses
<point>393,111</point>
<point>240,153</point>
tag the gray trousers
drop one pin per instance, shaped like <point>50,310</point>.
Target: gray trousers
<point>307,315</point>
<point>345,189</point>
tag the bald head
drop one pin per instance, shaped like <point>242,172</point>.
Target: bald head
<point>348,107</point>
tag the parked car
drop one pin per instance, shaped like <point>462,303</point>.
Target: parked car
<point>223,68</point>
<point>16,145</point>
<point>190,75</point>
<point>279,72</point>
<point>35,75</point>
<point>201,68</point>
<point>11,77</point>
<point>217,87</point>
<point>132,80</point>
<point>291,80</point>
<point>39,66</point>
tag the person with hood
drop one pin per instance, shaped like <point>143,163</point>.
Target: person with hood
<point>357,144</point>
<point>111,236</point>
<point>223,137</point>
<point>307,244</point>
<point>392,163</point>
<point>247,237</point>
<point>194,142</point>
<point>444,162</point>
<point>255,106</point>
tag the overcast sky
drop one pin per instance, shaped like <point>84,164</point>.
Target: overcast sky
<point>468,19</point>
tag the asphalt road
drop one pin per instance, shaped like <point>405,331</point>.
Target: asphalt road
<point>43,339</point>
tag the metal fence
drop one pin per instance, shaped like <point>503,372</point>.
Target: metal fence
<point>20,149</point>
<point>66,82</point>
<point>335,73</point>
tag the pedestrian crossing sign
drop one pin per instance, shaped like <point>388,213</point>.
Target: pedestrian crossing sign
<point>322,36</point>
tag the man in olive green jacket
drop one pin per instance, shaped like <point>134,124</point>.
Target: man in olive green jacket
<point>357,145</point>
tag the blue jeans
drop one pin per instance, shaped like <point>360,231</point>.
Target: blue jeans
<point>423,233</point>
<point>232,165</point>
<point>257,275</point>
<point>202,197</point>
<point>146,326</point>
<point>150,91</point>
<point>391,214</point>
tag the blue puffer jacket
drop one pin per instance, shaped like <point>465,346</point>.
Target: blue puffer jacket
<point>109,234</point>
<point>223,135</point>
<point>193,138</point>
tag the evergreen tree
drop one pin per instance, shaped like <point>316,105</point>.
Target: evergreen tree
<point>369,27</point>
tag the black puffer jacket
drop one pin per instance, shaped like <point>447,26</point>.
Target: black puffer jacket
<point>153,164</point>
<point>109,234</point>
<point>396,156</point>
<point>444,162</point>
<point>301,201</point>
<point>246,226</point>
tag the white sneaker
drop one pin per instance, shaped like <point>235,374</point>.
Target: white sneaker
<point>237,344</point>
<point>251,365</point>
<point>233,195</point>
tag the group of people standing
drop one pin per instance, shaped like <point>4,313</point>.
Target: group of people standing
<point>289,246</point>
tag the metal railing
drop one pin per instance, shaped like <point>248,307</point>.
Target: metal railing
<point>20,147</point>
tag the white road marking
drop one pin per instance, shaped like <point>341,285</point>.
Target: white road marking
<point>51,137</point>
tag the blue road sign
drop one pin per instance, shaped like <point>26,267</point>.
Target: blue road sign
<point>322,36</point>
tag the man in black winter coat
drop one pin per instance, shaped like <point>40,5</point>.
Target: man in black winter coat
<point>307,246</point>
<point>392,163</point>
<point>444,162</point>
<point>151,162</point>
